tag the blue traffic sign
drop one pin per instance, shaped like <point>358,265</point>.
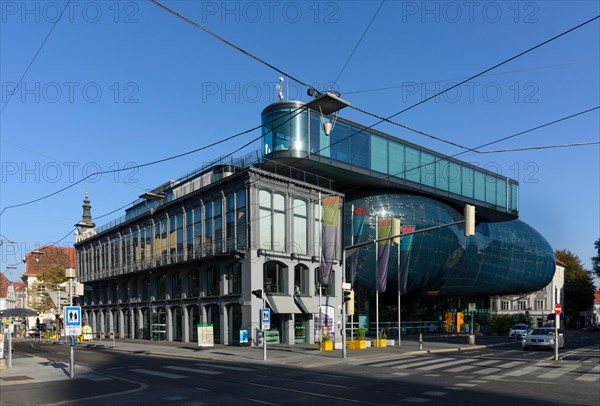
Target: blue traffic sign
<point>73,316</point>
<point>266,315</point>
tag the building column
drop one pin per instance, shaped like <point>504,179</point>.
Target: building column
<point>185,324</point>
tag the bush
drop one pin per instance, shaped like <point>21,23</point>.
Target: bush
<point>361,333</point>
<point>501,324</point>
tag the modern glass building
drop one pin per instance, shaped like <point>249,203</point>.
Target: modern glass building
<point>193,250</point>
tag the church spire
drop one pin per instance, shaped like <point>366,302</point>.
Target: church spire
<point>86,224</point>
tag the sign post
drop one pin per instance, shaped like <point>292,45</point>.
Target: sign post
<point>557,311</point>
<point>265,325</point>
<point>72,319</point>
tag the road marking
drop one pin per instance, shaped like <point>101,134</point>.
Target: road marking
<point>416,400</point>
<point>460,369</point>
<point>511,364</point>
<point>242,369</point>
<point>432,375</point>
<point>434,393</point>
<point>445,364</point>
<point>309,393</point>
<point>96,378</point>
<point>523,371</point>
<point>559,371</point>
<point>388,363</point>
<point>375,360</point>
<point>466,385</point>
<point>418,364</point>
<point>488,362</point>
<point>487,371</point>
<point>195,370</point>
<point>591,376</point>
<point>174,398</point>
<point>478,381</point>
<point>157,373</point>
<point>400,373</point>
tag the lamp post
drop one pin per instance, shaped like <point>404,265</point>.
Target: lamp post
<point>70,274</point>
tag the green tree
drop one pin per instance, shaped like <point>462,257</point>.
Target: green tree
<point>579,287</point>
<point>48,281</point>
<point>596,259</point>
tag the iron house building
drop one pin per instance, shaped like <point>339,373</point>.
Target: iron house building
<point>194,249</point>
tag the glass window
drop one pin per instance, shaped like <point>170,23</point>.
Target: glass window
<point>161,287</point>
<point>230,220</point>
<point>340,142</point>
<point>360,149</point>
<point>301,280</point>
<point>505,305</point>
<point>213,281</point>
<point>218,223</point>
<point>208,228</point>
<point>197,230</point>
<point>265,220</point>
<point>240,203</point>
<point>300,242</point>
<point>172,236</point>
<point>194,283</point>
<point>468,182</point>
<point>189,231</point>
<point>179,233</point>
<point>274,275</point>
<point>501,193</point>
<point>317,231</point>
<point>412,165</point>
<point>234,278</point>
<point>427,169</point>
<point>539,305</point>
<point>272,221</point>
<point>396,160</point>
<point>490,189</point>
<point>175,285</point>
<point>454,178</point>
<point>479,186</point>
<point>379,154</point>
<point>135,257</point>
<point>441,174</point>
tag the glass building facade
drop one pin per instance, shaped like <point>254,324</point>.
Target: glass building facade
<point>289,127</point>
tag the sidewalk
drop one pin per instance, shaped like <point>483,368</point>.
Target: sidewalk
<point>28,369</point>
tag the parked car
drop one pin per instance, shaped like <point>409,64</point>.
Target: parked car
<point>543,337</point>
<point>518,331</point>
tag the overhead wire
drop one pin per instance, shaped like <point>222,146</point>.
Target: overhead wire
<point>10,95</point>
<point>358,43</point>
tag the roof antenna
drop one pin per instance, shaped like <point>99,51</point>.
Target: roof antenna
<point>279,87</point>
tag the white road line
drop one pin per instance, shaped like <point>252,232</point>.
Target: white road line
<point>195,370</point>
<point>488,362</point>
<point>416,400</point>
<point>242,369</point>
<point>559,371</point>
<point>487,371</point>
<point>393,362</point>
<point>511,364</point>
<point>466,385</point>
<point>395,358</point>
<point>432,375</point>
<point>445,364</point>
<point>157,373</point>
<point>400,373</point>
<point>310,393</point>
<point>522,371</point>
<point>418,364</point>
<point>591,376</point>
<point>434,393</point>
<point>460,369</point>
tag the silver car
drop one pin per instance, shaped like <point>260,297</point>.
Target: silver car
<point>543,337</point>
<point>518,331</point>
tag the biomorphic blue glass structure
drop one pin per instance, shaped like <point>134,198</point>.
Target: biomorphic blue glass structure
<point>394,178</point>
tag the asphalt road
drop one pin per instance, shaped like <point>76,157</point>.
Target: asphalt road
<point>501,374</point>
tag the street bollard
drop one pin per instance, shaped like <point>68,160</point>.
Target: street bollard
<point>420,341</point>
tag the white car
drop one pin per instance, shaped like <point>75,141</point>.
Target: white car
<point>518,331</point>
<point>543,337</point>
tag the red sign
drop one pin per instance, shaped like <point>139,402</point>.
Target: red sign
<point>557,308</point>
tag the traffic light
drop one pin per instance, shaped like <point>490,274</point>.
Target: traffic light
<point>258,293</point>
<point>469,214</point>
<point>349,301</point>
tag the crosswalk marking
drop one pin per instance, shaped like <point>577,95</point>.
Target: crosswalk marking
<point>487,371</point>
<point>393,362</point>
<point>419,363</point>
<point>157,373</point>
<point>195,370</point>
<point>445,364</point>
<point>488,362</point>
<point>462,368</point>
<point>559,371</point>
<point>522,371</point>
<point>591,376</point>
<point>511,364</point>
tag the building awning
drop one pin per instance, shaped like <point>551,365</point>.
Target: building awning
<point>306,304</point>
<point>282,304</point>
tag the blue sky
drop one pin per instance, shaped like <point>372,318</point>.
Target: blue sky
<point>124,83</point>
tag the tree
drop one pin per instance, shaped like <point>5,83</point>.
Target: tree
<point>579,287</point>
<point>47,281</point>
<point>596,259</point>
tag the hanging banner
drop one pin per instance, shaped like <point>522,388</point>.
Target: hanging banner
<point>358,222</point>
<point>330,220</point>
<point>405,248</point>
<point>383,252</point>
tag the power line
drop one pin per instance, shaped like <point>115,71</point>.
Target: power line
<point>577,144</point>
<point>223,40</point>
<point>152,162</point>
<point>36,54</point>
<point>359,41</point>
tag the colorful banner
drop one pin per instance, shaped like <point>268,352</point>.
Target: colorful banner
<point>384,230</point>
<point>405,248</point>
<point>358,222</point>
<point>330,220</point>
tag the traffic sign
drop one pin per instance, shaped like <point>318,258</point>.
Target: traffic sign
<point>266,318</point>
<point>73,320</point>
<point>557,308</point>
